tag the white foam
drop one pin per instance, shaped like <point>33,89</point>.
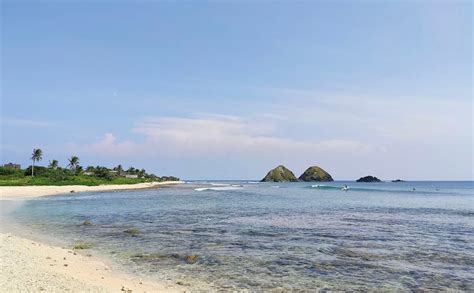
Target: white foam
<point>219,184</point>
<point>218,188</point>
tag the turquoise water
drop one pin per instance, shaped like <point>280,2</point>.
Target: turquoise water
<point>277,235</point>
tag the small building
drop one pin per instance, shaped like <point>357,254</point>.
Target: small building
<point>12,166</point>
<point>131,176</point>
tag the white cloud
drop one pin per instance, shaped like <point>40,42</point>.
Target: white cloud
<point>213,135</point>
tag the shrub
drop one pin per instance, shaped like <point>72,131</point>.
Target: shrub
<point>102,172</point>
<point>169,178</point>
<point>10,171</point>
<point>56,175</point>
<point>39,170</point>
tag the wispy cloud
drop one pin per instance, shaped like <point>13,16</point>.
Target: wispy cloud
<point>214,135</point>
<point>20,122</point>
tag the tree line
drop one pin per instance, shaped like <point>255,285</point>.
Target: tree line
<point>99,171</point>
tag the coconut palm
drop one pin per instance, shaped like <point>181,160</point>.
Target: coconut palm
<point>119,169</point>
<point>36,156</point>
<point>53,164</point>
<point>73,163</point>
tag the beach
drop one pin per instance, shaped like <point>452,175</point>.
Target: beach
<point>25,192</point>
<point>30,266</point>
<point>33,266</point>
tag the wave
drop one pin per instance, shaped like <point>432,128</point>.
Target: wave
<point>220,188</point>
<point>219,184</point>
<point>350,188</point>
<point>325,186</point>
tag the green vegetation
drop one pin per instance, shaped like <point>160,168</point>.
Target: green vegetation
<point>280,174</point>
<point>73,163</point>
<point>53,164</point>
<point>74,174</point>
<point>315,173</point>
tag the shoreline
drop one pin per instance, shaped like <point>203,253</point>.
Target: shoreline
<point>32,191</point>
<point>31,265</point>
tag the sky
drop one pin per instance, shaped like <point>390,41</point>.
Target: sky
<point>231,89</point>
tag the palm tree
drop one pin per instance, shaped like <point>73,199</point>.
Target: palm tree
<point>119,169</point>
<point>53,164</point>
<point>36,157</point>
<point>131,170</point>
<point>73,163</point>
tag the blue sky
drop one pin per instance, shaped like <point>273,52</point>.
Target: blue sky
<point>208,90</point>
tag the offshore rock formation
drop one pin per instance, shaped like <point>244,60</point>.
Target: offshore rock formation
<point>369,179</point>
<point>315,173</point>
<point>280,174</point>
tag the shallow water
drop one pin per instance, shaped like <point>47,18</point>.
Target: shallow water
<point>374,236</point>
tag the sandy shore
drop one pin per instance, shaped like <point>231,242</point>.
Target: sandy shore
<point>30,266</point>
<point>25,192</point>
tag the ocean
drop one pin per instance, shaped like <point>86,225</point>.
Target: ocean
<point>263,236</point>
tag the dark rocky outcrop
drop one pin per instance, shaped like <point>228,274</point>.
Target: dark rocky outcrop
<point>369,179</point>
<point>280,174</point>
<point>398,180</point>
<point>315,173</point>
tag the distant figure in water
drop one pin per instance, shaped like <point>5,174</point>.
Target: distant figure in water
<point>414,189</point>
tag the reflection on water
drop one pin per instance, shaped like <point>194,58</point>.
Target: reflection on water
<point>292,237</point>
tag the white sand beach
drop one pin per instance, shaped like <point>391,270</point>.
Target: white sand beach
<point>31,266</point>
<point>25,192</point>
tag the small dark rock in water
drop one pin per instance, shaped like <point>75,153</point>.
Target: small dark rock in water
<point>190,259</point>
<point>87,223</point>
<point>369,179</point>
<point>82,246</point>
<point>132,231</point>
<point>398,180</point>
<point>72,191</point>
